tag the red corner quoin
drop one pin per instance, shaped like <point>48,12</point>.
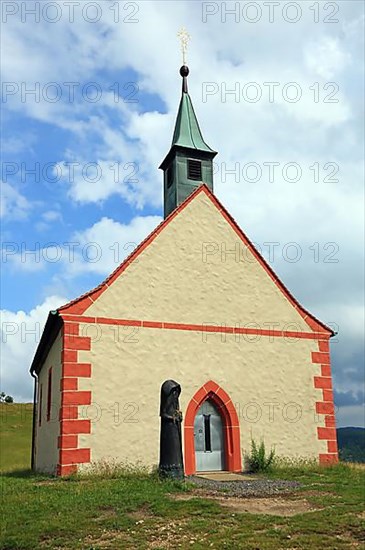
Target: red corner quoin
<point>71,426</point>
<point>326,405</point>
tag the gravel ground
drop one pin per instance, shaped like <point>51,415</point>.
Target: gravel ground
<point>246,488</point>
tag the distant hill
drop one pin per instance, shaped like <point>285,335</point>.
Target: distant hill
<point>351,444</point>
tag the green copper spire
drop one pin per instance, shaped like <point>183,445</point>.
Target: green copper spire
<point>187,132</point>
<point>189,163</point>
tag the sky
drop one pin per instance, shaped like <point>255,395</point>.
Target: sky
<point>90,93</point>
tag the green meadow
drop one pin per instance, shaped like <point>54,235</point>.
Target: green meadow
<point>15,436</point>
<point>120,508</point>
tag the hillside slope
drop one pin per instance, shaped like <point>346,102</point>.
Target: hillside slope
<point>351,444</point>
<point>15,436</point>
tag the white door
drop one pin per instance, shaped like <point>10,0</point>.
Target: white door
<point>208,438</point>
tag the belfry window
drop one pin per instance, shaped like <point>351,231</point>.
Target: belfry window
<point>194,170</point>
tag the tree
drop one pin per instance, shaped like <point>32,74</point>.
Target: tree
<point>6,398</point>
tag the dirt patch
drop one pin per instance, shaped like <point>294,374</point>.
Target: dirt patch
<point>270,506</point>
<point>142,513</point>
<point>168,535</point>
<point>108,540</point>
<point>105,513</point>
<point>273,506</point>
<point>164,534</point>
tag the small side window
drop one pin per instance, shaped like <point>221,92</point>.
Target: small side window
<point>40,405</point>
<point>49,394</point>
<point>194,170</point>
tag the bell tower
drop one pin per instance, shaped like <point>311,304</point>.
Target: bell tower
<point>189,163</point>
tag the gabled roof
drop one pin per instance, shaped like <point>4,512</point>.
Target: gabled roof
<point>81,304</point>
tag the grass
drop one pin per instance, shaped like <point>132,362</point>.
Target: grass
<point>15,435</point>
<point>113,508</point>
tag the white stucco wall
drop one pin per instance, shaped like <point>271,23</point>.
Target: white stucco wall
<point>46,441</point>
<point>269,381</point>
<point>175,280</point>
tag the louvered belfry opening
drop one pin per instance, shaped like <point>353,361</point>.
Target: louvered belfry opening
<point>194,170</point>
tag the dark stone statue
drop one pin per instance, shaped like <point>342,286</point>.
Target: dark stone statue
<point>171,458</point>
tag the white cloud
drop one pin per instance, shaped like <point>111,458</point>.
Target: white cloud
<point>222,53</point>
<point>306,132</point>
<point>16,144</point>
<point>51,216</point>
<point>326,57</point>
<point>13,205</point>
<point>107,243</point>
<point>20,335</point>
<point>47,219</point>
<point>98,249</point>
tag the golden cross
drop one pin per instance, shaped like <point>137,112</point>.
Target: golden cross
<point>184,38</point>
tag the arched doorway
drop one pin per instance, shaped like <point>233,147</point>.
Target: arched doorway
<point>208,438</point>
<point>216,400</point>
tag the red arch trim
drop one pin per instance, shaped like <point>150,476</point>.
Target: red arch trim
<point>231,427</point>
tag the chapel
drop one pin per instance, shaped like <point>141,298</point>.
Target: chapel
<point>194,302</point>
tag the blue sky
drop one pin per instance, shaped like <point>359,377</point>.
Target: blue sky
<point>283,87</point>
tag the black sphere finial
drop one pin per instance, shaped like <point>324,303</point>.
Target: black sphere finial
<point>184,71</point>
